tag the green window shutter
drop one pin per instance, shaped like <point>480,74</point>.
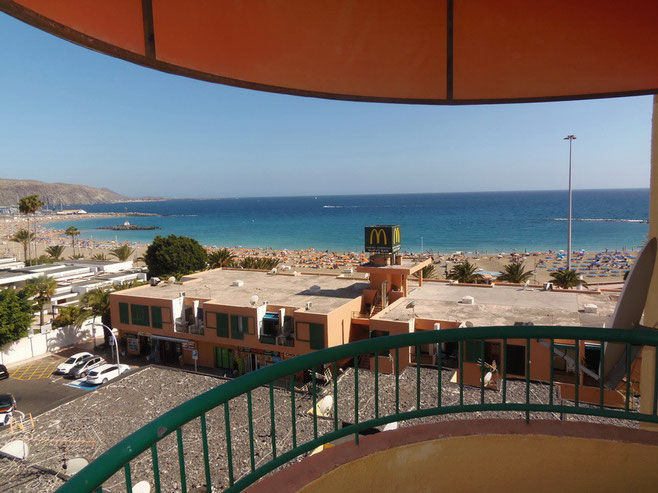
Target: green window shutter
<point>156,317</point>
<point>317,336</point>
<point>140,315</point>
<point>124,313</point>
<point>236,333</point>
<point>222,325</point>
<point>472,351</point>
<point>245,325</point>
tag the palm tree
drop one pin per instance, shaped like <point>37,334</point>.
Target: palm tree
<point>27,205</point>
<point>566,279</point>
<point>24,237</point>
<point>42,288</point>
<point>464,273</point>
<point>99,256</point>
<point>221,258</point>
<point>55,251</point>
<point>514,272</point>
<point>429,272</point>
<point>122,253</point>
<point>260,263</point>
<point>72,231</point>
<point>69,315</point>
<point>96,303</point>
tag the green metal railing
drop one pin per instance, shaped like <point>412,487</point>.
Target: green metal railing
<point>122,454</point>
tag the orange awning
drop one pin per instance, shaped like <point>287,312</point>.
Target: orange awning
<point>422,51</point>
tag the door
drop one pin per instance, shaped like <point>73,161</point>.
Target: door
<point>223,358</point>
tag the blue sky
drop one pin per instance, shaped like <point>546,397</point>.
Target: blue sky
<point>72,115</point>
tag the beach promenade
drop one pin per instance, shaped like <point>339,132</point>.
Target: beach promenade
<point>596,267</point>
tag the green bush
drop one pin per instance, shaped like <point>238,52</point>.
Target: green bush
<point>175,255</point>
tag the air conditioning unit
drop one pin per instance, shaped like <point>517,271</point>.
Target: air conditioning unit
<point>309,304</point>
<point>237,283</point>
<point>468,300</point>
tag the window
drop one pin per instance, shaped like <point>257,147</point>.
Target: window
<point>156,317</point>
<point>245,325</point>
<point>236,327</point>
<point>316,336</point>
<point>124,315</point>
<point>140,315</point>
<point>222,325</point>
<point>472,351</point>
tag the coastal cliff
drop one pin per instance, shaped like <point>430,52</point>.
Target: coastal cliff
<point>55,194</point>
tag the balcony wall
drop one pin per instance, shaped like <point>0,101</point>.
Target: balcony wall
<point>481,455</point>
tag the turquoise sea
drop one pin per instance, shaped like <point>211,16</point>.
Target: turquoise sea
<point>445,222</point>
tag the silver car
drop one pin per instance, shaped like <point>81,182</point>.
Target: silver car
<point>82,369</point>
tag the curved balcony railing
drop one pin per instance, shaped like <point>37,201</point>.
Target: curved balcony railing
<point>130,449</point>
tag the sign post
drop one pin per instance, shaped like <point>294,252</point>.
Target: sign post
<point>195,357</point>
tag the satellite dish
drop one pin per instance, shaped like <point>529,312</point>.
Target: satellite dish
<point>273,271</point>
<point>315,289</point>
<point>172,279</point>
<point>411,305</point>
<point>142,487</point>
<point>253,300</point>
<point>628,313</point>
<point>75,465</point>
<point>469,323</point>
<point>17,449</point>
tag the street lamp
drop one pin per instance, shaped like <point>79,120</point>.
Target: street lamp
<point>116,345</point>
<point>570,138</point>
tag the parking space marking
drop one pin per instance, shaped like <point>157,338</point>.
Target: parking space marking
<point>33,371</point>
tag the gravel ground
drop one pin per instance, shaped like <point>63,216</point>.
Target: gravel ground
<point>94,422</point>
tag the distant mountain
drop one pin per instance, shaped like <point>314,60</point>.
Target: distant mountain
<point>56,193</point>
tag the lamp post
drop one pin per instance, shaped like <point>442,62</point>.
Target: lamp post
<point>116,344</point>
<point>570,138</point>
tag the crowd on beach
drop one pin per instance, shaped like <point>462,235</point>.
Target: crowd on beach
<point>595,267</point>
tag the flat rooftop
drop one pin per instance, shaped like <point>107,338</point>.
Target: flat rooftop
<point>502,305</point>
<point>284,290</point>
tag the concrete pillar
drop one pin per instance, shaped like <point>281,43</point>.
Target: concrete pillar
<point>651,309</point>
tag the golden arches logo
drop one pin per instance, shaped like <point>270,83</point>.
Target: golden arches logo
<point>396,236</point>
<point>378,233</point>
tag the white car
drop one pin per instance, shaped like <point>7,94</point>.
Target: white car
<point>105,373</point>
<point>72,361</point>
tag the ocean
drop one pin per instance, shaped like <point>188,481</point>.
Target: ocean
<point>441,222</point>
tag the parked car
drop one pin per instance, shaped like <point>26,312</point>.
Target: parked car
<point>105,373</point>
<point>7,408</point>
<point>4,373</point>
<point>72,361</point>
<point>82,369</point>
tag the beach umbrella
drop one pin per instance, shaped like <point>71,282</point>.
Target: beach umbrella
<point>427,51</point>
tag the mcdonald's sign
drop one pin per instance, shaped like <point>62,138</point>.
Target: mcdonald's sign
<point>382,239</point>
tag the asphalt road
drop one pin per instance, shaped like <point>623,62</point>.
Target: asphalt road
<point>37,396</point>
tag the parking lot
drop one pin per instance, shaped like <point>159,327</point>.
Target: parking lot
<point>38,390</point>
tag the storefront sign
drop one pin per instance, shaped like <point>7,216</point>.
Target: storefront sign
<point>189,345</point>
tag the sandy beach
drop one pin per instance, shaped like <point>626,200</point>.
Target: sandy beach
<point>596,267</point>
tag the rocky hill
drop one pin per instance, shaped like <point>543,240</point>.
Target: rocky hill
<point>56,193</point>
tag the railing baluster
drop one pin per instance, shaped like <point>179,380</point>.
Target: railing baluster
<point>273,421</point>
<point>461,372</point>
<point>335,395</point>
<point>439,366</point>
<point>206,458</point>
<point>482,371</point>
<point>655,381</point>
<point>417,377</point>
<point>181,459</point>
<point>376,384</point>
<point>601,376</point>
<point>551,387</point>
<point>250,421</point>
<point>527,379</point>
<point>229,452</point>
<point>397,381</point>
<point>99,489</point>
<point>315,404</point>
<point>577,388</point>
<point>629,348</point>
<point>356,397</point>
<point>293,411</point>
<point>156,468</point>
<point>504,371</point>
<point>129,481</point>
